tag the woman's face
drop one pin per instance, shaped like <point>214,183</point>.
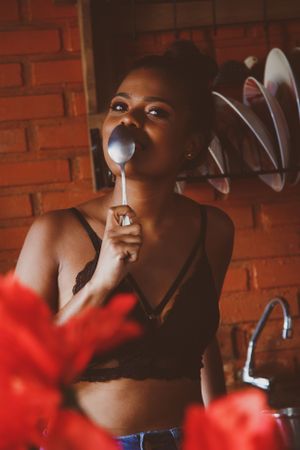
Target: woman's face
<point>149,103</point>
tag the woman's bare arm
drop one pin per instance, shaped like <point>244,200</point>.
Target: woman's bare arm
<point>212,375</point>
<point>219,246</point>
<point>39,262</point>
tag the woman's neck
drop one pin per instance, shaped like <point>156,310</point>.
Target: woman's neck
<point>151,201</point>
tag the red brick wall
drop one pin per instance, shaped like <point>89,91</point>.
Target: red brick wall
<point>265,264</point>
<point>44,164</point>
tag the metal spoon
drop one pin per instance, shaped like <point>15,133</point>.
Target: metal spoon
<point>121,147</point>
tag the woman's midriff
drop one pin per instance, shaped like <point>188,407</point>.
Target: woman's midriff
<point>127,406</point>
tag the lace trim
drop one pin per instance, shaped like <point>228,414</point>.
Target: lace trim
<point>141,373</point>
<point>85,274</point>
<point>151,356</point>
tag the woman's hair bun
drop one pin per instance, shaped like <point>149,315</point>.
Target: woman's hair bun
<point>187,55</point>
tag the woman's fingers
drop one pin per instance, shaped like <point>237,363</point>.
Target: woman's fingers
<point>128,230</point>
<point>125,238</point>
<point>120,245</point>
<point>113,227</point>
<point>128,252</point>
<point>115,214</point>
<point>125,247</point>
<point>125,241</point>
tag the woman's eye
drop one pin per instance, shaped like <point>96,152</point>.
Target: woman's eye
<point>158,112</point>
<point>118,107</point>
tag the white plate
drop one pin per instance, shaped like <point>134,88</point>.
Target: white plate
<point>256,126</point>
<point>216,164</point>
<point>281,83</point>
<point>267,108</point>
<point>217,159</point>
<point>295,64</point>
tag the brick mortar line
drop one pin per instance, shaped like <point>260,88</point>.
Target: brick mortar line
<point>43,121</point>
<point>45,89</point>
<point>64,55</point>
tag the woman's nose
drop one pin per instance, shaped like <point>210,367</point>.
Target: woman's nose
<point>132,118</point>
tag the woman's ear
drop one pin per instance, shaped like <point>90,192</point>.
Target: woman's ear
<point>194,147</point>
<point>196,150</point>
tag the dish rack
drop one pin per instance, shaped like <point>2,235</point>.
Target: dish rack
<point>259,137</point>
<point>107,26</point>
<point>104,178</point>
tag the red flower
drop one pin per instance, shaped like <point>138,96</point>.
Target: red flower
<point>56,353</point>
<point>95,331</point>
<point>234,422</point>
<point>39,359</point>
<point>72,431</point>
<point>25,406</point>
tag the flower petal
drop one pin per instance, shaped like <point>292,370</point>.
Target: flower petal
<point>28,339</point>
<point>25,408</point>
<point>233,422</point>
<point>72,431</point>
<point>96,330</point>
<point>21,349</point>
<point>56,353</point>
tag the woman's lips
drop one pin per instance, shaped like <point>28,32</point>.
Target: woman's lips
<point>139,146</point>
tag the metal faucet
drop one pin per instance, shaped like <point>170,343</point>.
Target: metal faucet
<point>247,374</point>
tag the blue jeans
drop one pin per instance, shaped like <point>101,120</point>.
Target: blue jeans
<point>152,440</point>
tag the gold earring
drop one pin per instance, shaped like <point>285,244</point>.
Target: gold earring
<point>189,155</point>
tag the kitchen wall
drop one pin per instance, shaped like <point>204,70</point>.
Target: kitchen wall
<point>44,165</point>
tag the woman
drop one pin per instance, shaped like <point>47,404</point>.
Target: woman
<point>173,255</point>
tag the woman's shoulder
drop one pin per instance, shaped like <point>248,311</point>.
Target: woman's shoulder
<point>219,239</point>
<point>52,221</point>
<point>39,258</point>
<point>217,218</point>
<point>50,231</point>
<point>63,218</point>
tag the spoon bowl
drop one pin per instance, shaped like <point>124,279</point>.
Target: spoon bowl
<point>121,147</point>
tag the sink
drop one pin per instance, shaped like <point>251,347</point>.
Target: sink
<point>288,421</point>
<point>248,375</point>
<point>283,392</point>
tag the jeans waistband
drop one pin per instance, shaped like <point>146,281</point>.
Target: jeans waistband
<point>167,439</point>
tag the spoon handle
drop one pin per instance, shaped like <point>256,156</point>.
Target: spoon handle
<point>125,219</point>
<point>123,179</point>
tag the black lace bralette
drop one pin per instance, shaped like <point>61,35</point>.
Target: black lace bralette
<point>174,347</point>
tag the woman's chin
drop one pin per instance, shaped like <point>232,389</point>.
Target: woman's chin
<point>143,171</point>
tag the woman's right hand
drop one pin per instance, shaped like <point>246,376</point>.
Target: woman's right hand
<point>120,248</point>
